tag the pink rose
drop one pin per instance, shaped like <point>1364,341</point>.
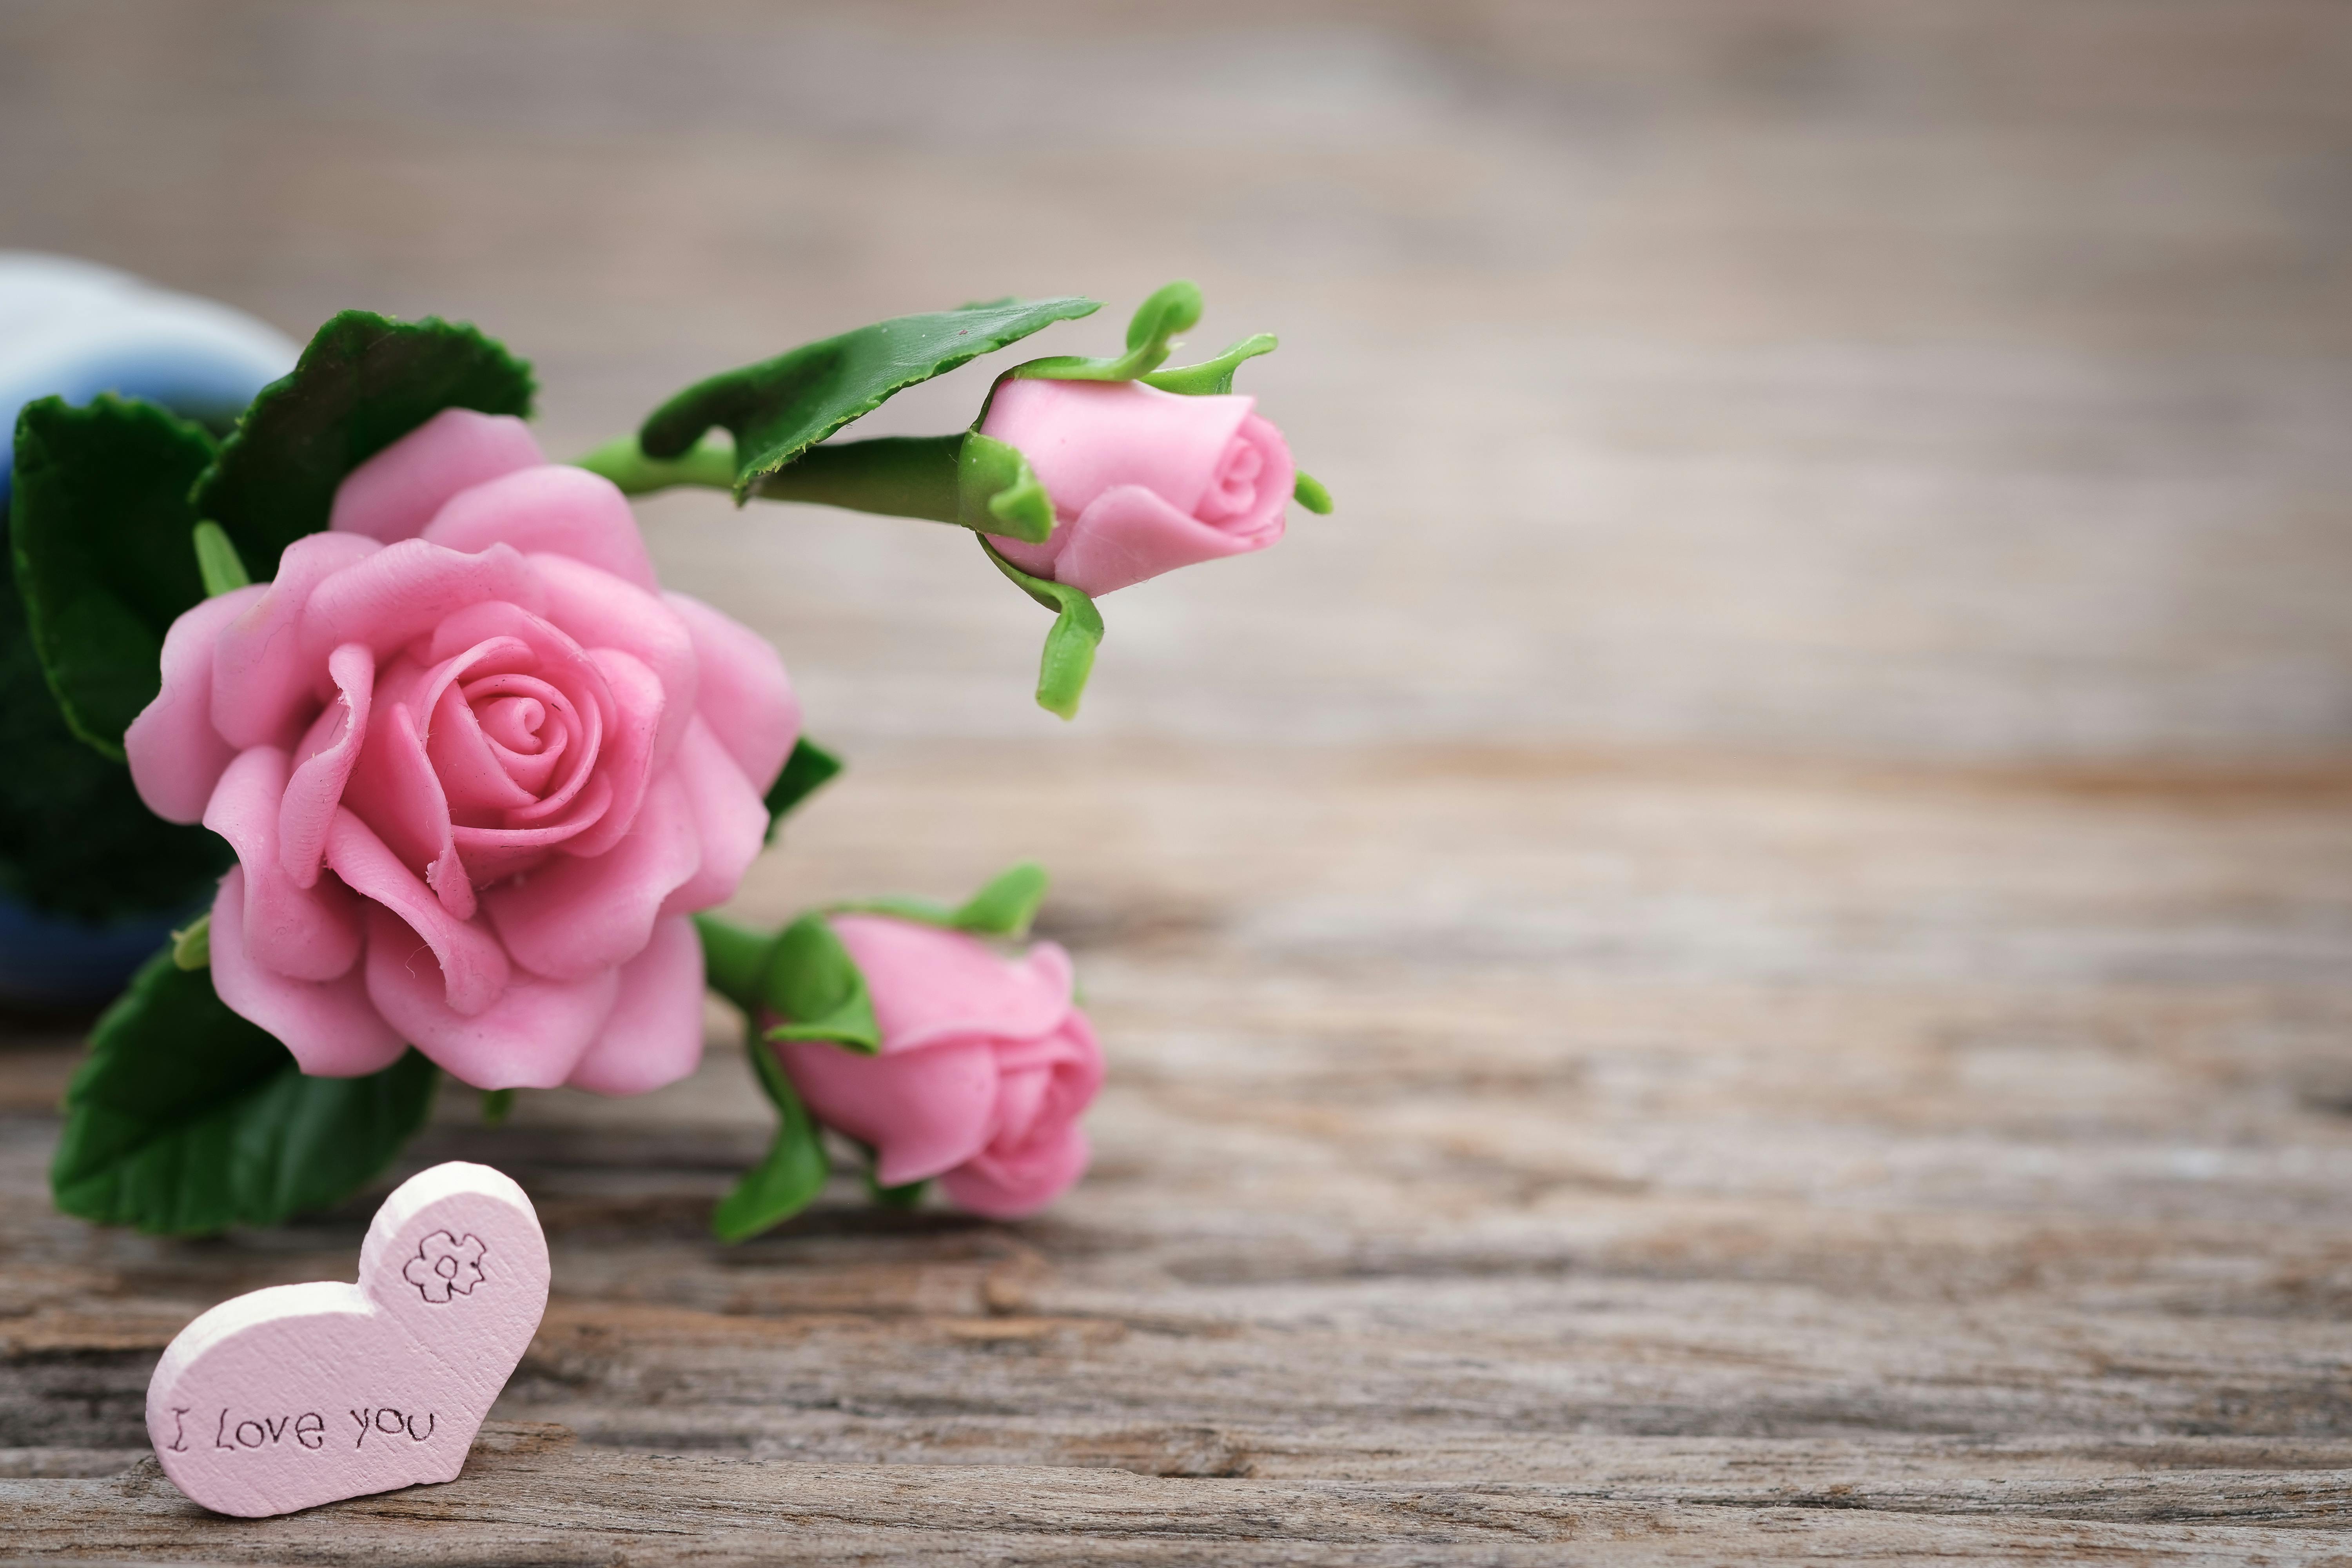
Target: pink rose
<point>1142,482</point>
<point>984,1069</point>
<point>476,768</point>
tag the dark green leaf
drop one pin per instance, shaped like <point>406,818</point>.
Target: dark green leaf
<point>793,1172</point>
<point>1070,643</point>
<point>75,838</point>
<point>100,528</point>
<point>1174,307</point>
<point>363,382</point>
<point>186,1119</point>
<point>814,987</point>
<point>1211,375</point>
<point>781,407</point>
<point>809,769</point>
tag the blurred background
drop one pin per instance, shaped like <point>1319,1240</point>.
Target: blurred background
<point>1859,379</point>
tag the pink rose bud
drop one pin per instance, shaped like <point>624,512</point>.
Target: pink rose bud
<point>478,769</point>
<point>984,1069</point>
<point>1142,482</point>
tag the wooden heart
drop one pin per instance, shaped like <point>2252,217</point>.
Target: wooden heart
<point>300,1395</point>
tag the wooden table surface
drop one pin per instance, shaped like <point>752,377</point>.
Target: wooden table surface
<point>1747,958</point>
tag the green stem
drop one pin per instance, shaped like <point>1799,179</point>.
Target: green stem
<point>733,960</point>
<point>904,476</point>
<point>710,464</point>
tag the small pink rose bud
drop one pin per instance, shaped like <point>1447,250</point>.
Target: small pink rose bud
<point>1142,482</point>
<point>984,1069</point>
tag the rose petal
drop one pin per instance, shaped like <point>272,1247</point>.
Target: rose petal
<point>573,917</point>
<point>555,508</point>
<point>264,685</point>
<point>1084,437</point>
<point>532,1036</point>
<point>598,611</point>
<point>396,793</point>
<point>629,759</point>
<point>303,934</point>
<point>744,693</point>
<point>401,591</point>
<point>331,1027</point>
<point>654,1035</point>
<point>176,755</point>
<point>730,821</point>
<point>1010,1186</point>
<point>922,1111</point>
<point>473,964</point>
<point>329,753</point>
<point>394,493</point>
<point>930,984</point>
<point>1128,534</point>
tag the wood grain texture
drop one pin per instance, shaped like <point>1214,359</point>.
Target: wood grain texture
<point>1748,958</point>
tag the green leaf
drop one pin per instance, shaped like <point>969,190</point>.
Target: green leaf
<point>794,1169</point>
<point>781,407</point>
<point>75,840</point>
<point>809,769</point>
<point>1309,492</point>
<point>363,382</point>
<point>186,1119</point>
<point>1070,643</point>
<point>1212,375</point>
<point>1004,907</point>
<point>218,561</point>
<point>98,527</point>
<point>814,987</point>
<point>1173,307</point>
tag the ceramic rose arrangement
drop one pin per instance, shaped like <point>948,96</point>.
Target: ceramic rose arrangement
<point>456,781</point>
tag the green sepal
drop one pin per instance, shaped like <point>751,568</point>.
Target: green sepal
<point>98,526</point>
<point>1171,308</point>
<point>186,1119</point>
<point>218,561</point>
<point>998,492</point>
<point>1069,656</point>
<point>1003,908</point>
<point>1309,492</point>
<point>734,961</point>
<point>364,382</point>
<point>814,987</point>
<point>809,769</point>
<point>781,407</point>
<point>192,944</point>
<point>789,1176</point>
<point>497,1104</point>
<point>1212,375</point>
<point>906,1197</point>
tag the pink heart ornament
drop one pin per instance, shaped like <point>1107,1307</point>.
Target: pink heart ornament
<point>300,1395</point>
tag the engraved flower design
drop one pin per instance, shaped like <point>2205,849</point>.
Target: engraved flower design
<point>444,1263</point>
